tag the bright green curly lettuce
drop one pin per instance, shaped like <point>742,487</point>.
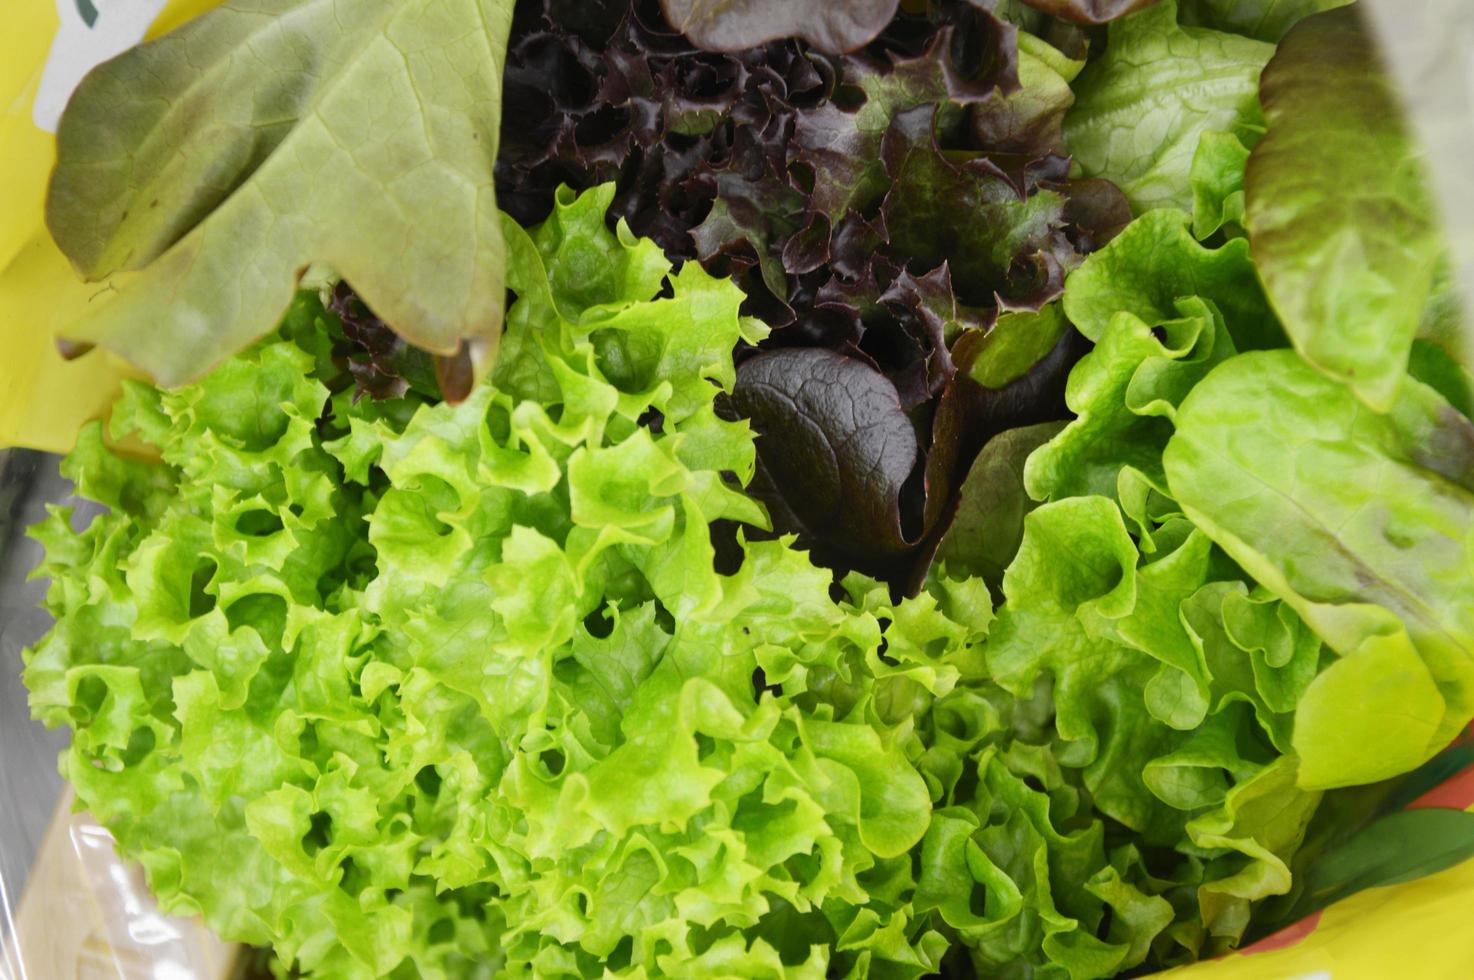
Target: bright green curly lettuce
<point>458,691</point>
<point>413,690</point>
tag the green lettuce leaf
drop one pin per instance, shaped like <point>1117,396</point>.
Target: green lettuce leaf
<point>1161,693</point>
<point>1342,228</point>
<point>985,534</point>
<point>1141,108</point>
<point>1217,177</point>
<point>1125,394</point>
<point>201,173</point>
<point>1155,262</point>
<point>1267,20</point>
<point>1379,564</point>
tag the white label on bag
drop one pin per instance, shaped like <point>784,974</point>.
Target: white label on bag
<point>92,31</point>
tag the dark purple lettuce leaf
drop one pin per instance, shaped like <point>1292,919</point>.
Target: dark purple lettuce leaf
<point>731,25</point>
<point>1011,248</point>
<point>836,444</point>
<point>968,62</point>
<point>840,461</point>
<point>766,163</point>
<point>383,365</point>
<point>992,392</point>
<point>971,411</point>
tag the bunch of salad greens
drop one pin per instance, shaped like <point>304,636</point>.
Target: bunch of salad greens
<point>880,209</point>
<point>772,605</point>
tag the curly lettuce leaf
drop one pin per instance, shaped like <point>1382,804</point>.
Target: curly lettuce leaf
<point>417,690</point>
<point>1125,394</point>
<point>506,685</point>
<point>1158,704</point>
<point>1154,263</point>
<point>1342,227</point>
<point>1141,108</point>
<point>201,173</point>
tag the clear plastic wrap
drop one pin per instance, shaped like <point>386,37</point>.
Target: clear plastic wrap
<point>69,906</point>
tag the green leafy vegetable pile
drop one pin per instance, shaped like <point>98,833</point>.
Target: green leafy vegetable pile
<point>401,691</point>
<point>404,689</point>
<point>879,190</point>
<point>534,684</point>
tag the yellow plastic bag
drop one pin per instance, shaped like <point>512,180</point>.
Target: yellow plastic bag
<point>1418,929</point>
<point>45,49</point>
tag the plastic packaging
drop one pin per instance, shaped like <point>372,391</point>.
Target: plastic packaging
<point>70,907</point>
<point>87,913</point>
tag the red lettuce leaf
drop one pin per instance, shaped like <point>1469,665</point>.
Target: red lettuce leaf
<point>834,427</point>
<point>731,25</point>
<point>383,365</point>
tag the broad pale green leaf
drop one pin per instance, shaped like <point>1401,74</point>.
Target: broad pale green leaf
<point>1342,229</point>
<point>201,173</point>
<point>1374,714</point>
<point>1359,521</point>
<point>1142,106</point>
